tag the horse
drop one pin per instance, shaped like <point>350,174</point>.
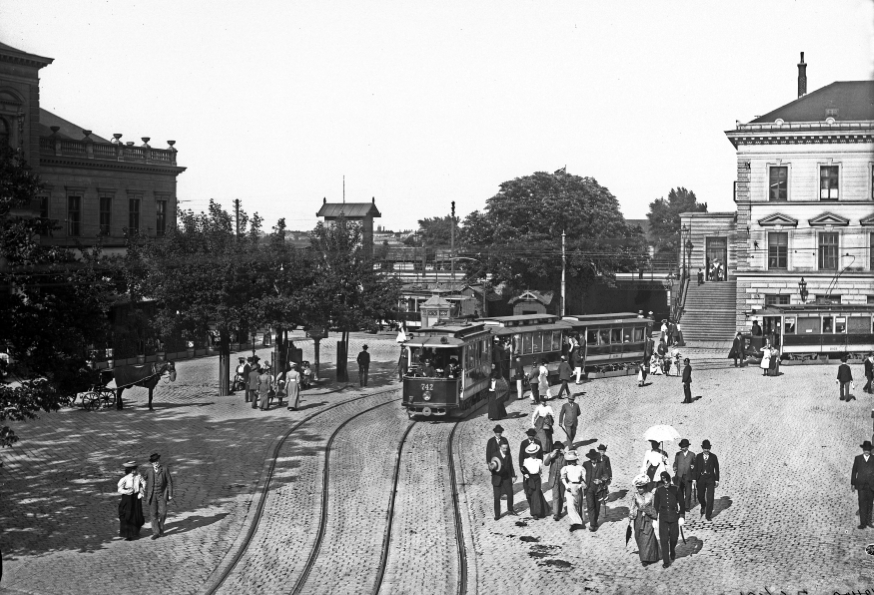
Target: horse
<point>146,376</point>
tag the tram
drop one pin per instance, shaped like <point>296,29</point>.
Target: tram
<point>817,329</point>
<point>533,337</point>
<point>612,340</point>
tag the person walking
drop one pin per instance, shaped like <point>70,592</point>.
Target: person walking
<point>265,386</point>
<point>707,478</point>
<point>543,419</point>
<point>503,476</point>
<point>403,363</point>
<point>534,384</point>
<point>737,349</point>
<point>555,461</point>
<point>641,517</point>
<point>596,487</point>
<point>684,471</point>
<point>158,493</point>
<point>700,276</point>
<point>130,508</point>
<point>687,382</point>
<point>363,360</point>
<point>607,468</point>
<point>654,462</point>
<point>531,469</point>
<point>496,405</point>
<point>568,418</point>
<point>577,361</point>
<point>545,393</point>
<point>519,376</point>
<point>252,381</point>
<point>564,375</point>
<point>869,371</point>
<point>292,387</point>
<point>525,449</point>
<point>572,476</point>
<point>670,516</point>
<point>845,378</point>
<point>862,482</point>
<point>493,446</point>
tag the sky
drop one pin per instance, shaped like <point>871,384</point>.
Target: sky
<point>421,103</point>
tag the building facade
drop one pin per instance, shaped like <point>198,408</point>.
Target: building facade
<point>98,190</point>
<point>805,202</point>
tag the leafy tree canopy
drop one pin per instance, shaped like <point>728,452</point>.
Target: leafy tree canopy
<point>433,232</point>
<point>517,237</point>
<point>664,218</point>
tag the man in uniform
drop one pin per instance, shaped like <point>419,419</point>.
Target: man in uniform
<point>555,461</point>
<point>572,476</point>
<point>568,418</point>
<point>528,442</point>
<point>862,481</point>
<point>493,446</point>
<point>707,476</point>
<point>684,468</point>
<point>363,361</point>
<point>564,374</point>
<point>503,476</point>
<point>158,492</point>
<point>670,516</point>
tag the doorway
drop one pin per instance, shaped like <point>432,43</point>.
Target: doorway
<point>716,259</point>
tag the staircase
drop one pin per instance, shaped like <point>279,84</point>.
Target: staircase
<point>709,313</point>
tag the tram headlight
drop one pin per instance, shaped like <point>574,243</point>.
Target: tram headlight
<point>426,395</point>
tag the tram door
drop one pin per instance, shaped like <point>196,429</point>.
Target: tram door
<point>772,324</point>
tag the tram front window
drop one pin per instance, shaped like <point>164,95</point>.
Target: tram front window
<point>436,362</point>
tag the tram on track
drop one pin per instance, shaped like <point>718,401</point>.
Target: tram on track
<point>801,331</point>
<point>611,340</point>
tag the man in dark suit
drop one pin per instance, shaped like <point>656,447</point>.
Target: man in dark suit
<point>862,480</point>
<point>493,446</point>
<point>564,374</point>
<point>526,443</point>
<point>596,487</point>
<point>555,461</point>
<point>670,515</point>
<point>363,361</point>
<point>707,476</point>
<point>845,377</point>
<point>684,470</point>
<point>158,492</point>
<point>737,349</point>
<point>869,371</point>
<point>687,382</point>
<point>503,476</point>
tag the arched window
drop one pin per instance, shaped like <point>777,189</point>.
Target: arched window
<point>4,133</point>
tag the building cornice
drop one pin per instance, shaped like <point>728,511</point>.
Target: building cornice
<point>25,59</point>
<point>802,133</point>
<point>45,161</point>
<point>806,273</point>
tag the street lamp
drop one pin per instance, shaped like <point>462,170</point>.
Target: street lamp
<point>802,288</point>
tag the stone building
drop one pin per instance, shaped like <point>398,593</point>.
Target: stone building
<point>805,202</point>
<point>96,189</point>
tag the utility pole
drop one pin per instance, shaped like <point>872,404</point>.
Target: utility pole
<point>344,189</point>
<point>237,213</point>
<point>452,245</point>
<point>562,274</point>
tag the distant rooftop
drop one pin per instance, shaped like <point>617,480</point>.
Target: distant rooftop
<point>843,100</point>
<point>349,210</point>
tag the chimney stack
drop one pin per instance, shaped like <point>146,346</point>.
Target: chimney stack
<point>802,77</point>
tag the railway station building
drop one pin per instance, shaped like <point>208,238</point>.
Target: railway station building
<point>803,228</point>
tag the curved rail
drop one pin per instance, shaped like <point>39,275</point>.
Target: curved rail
<point>259,511</point>
<point>323,514</point>
<point>461,588</point>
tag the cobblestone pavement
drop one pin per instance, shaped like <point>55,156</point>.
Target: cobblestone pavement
<point>784,516</point>
<point>423,558</point>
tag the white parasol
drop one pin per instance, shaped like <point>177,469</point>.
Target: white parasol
<point>661,434</point>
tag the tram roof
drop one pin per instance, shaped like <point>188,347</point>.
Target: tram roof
<point>813,308</point>
<point>520,319</point>
<point>611,317</point>
<point>558,325</point>
<point>435,341</point>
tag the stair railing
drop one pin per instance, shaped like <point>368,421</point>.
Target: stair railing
<point>679,305</point>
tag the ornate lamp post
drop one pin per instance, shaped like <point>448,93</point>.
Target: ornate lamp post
<point>802,289</point>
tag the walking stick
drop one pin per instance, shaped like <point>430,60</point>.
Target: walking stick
<point>683,536</point>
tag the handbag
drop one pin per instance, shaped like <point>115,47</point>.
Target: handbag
<point>548,422</point>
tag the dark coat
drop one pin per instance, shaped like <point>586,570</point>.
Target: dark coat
<point>555,461</point>
<point>862,475</point>
<point>708,472</point>
<point>524,455</point>
<point>737,348</point>
<point>687,374</point>
<point>595,470</point>
<point>157,483</point>
<point>506,472</point>
<point>363,359</point>
<point>667,503</point>
<point>844,373</point>
<point>493,448</point>
<point>869,368</point>
<point>565,371</point>
<point>648,348</point>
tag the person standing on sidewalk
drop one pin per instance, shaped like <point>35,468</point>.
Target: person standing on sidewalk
<point>292,387</point>
<point>544,381</point>
<point>568,418</point>
<point>265,386</point>
<point>555,461</point>
<point>862,481</point>
<point>737,349</point>
<point>687,382</point>
<point>845,378</point>
<point>564,374</point>
<point>159,491</point>
<point>252,388</point>
<point>671,515</point>
<point>519,376</point>
<point>534,385</point>
<point>363,360</point>
<point>707,476</point>
<point>503,476</point>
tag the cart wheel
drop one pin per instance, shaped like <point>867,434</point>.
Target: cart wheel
<point>90,402</point>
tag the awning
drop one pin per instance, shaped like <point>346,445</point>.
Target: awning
<point>434,341</point>
<point>558,325</point>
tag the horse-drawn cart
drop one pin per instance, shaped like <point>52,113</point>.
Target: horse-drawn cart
<point>98,395</point>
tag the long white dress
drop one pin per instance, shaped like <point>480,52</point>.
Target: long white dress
<point>766,358</point>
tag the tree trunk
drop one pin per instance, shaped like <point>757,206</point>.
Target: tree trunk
<point>278,356</point>
<point>224,364</point>
<point>316,342</point>
<point>342,356</point>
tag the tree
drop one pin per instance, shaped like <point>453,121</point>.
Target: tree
<point>433,232</point>
<point>517,238</point>
<point>346,292</point>
<point>664,218</point>
<point>54,305</point>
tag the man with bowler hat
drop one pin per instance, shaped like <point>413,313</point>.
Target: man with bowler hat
<point>670,516</point>
<point>684,468</point>
<point>564,375</point>
<point>687,382</point>
<point>523,447</point>
<point>862,481</point>
<point>555,461</point>
<point>707,476</point>
<point>493,446</point>
<point>596,487</point>
<point>363,361</point>
<point>158,492</point>
<point>568,418</point>
<point>503,476</point>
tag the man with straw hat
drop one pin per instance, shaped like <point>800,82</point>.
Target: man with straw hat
<point>503,476</point>
<point>572,475</point>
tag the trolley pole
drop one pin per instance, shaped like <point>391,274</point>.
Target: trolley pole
<point>562,274</point>
<point>452,245</point>
<point>237,214</point>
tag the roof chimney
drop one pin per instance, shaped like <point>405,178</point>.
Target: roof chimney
<point>802,77</point>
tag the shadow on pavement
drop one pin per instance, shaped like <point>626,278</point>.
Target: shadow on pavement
<point>190,523</point>
<point>720,504</point>
<point>692,546</point>
<point>617,495</point>
<point>614,514</point>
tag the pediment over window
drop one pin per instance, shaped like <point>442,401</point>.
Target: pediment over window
<point>828,219</point>
<point>778,219</point>
<point>869,220</point>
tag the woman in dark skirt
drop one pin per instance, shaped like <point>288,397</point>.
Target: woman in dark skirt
<point>641,517</point>
<point>130,509</point>
<point>532,467</point>
<point>496,407</point>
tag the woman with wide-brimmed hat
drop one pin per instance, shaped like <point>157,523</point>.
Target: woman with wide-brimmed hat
<point>130,509</point>
<point>543,418</point>
<point>654,462</point>
<point>641,516</point>
<point>532,467</point>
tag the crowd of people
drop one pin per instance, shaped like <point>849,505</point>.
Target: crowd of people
<point>261,385</point>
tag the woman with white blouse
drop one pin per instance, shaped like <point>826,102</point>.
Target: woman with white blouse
<point>542,420</point>
<point>654,462</point>
<point>130,509</point>
<point>545,393</point>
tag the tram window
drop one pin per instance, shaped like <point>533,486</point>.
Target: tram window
<point>789,326</point>
<point>827,324</point>
<point>603,337</point>
<point>526,343</point>
<point>638,335</point>
<point>537,338</point>
<point>616,335</point>
<point>808,325</point>
<point>556,340</point>
<point>840,325</point>
<point>591,337</point>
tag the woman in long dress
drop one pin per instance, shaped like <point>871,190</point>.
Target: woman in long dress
<point>130,508</point>
<point>496,407</point>
<point>641,517</point>
<point>766,358</point>
<point>531,480</point>
<point>775,362</point>
<point>654,462</point>
<point>292,387</point>
<point>545,393</point>
<point>542,420</point>
<point>265,385</point>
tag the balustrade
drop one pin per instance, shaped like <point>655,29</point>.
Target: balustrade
<point>51,145</point>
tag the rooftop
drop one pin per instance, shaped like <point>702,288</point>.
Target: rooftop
<point>349,210</point>
<point>842,100</point>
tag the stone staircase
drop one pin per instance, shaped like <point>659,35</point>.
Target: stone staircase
<point>709,315</point>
